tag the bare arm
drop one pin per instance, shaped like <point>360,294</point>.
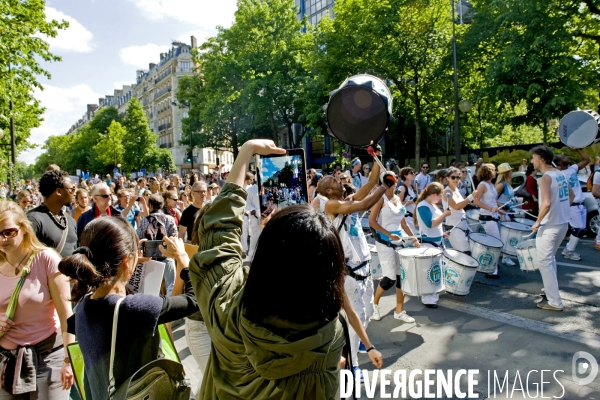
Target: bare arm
<point>335,207</point>
<point>544,184</point>
<point>585,159</point>
<point>181,231</point>
<point>481,189</point>
<point>358,327</point>
<point>364,191</point>
<point>60,293</point>
<point>596,191</point>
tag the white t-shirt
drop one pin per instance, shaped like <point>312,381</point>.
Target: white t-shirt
<point>422,181</point>
<point>571,174</point>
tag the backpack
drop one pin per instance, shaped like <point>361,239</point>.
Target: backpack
<point>156,229</point>
<point>159,379</point>
<point>590,181</point>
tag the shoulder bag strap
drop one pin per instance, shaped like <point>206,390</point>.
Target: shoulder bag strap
<point>63,238</point>
<point>113,342</point>
<point>346,349</point>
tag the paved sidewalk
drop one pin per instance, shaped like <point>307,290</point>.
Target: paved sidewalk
<point>188,361</point>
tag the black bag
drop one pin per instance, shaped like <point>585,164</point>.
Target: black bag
<point>156,229</point>
<point>522,191</point>
<point>158,380</point>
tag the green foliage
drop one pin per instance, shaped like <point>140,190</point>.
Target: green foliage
<point>139,140</point>
<point>23,27</point>
<point>109,150</point>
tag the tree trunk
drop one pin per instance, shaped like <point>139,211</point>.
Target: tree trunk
<point>234,139</point>
<point>417,127</point>
<point>545,131</point>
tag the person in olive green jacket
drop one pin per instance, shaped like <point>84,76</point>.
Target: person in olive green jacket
<point>274,327</point>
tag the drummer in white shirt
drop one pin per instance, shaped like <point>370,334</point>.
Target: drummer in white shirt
<point>429,221</point>
<point>578,219</point>
<point>487,201</point>
<point>453,200</point>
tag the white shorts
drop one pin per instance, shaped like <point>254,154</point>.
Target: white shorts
<point>578,218</point>
<point>390,266</point>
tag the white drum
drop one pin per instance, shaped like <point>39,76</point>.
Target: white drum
<point>421,271</point>
<point>473,221</point>
<point>459,271</point>
<point>525,221</point>
<point>485,249</point>
<point>527,255</point>
<point>580,128</point>
<point>511,234</point>
<point>376,271</point>
<point>458,234</point>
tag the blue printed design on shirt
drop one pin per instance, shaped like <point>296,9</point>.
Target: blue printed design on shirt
<point>573,181</point>
<point>356,181</point>
<point>355,226</point>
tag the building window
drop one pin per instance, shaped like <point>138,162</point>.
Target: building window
<point>185,66</point>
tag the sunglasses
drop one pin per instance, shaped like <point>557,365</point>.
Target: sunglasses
<point>104,196</point>
<point>411,173</point>
<point>424,167</point>
<point>199,191</point>
<point>366,168</point>
<point>10,232</point>
<point>343,177</point>
<point>464,171</point>
<point>453,177</point>
<point>71,189</point>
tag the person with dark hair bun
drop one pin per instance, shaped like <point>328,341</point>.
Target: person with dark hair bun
<point>270,338</point>
<point>100,269</point>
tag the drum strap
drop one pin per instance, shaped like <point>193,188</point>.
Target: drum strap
<point>408,214</point>
<point>433,244</point>
<point>581,203</point>
<point>488,218</point>
<point>350,271</point>
<point>383,242</point>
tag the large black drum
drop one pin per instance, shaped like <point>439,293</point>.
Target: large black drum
<point>359,111</point>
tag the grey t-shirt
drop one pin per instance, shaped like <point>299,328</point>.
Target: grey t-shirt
<point>49,232</point>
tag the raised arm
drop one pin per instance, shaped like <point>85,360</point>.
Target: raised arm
<point>585,159</point>
<point>364,191</point>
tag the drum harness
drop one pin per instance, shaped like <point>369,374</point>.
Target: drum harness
<point>350,270</point>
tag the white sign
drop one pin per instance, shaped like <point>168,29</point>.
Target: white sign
<point>147,278</point>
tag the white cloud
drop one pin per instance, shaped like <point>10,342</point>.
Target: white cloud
<point>119,85</point>
<point>64,107</point>
<point>141,56</point>
<point>75,38</point>
<point>203,13</point>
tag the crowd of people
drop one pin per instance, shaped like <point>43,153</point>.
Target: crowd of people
<point>66,244</point>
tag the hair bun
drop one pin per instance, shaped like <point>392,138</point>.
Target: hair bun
<point>85,251</point>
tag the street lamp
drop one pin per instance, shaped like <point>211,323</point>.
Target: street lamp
<point>175,103</point>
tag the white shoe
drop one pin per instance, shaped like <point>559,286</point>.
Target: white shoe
<point>571,255</point>
<point>508,261</point>
<point>375,316</point>
<point>404,317</point>
<point>566,250</point>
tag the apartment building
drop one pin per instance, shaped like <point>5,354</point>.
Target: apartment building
<point>155,89</point>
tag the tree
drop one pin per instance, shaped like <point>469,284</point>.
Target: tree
<point>23,26</point>
<point>139,140</point>
<point>405,43</point>
<point>110,149</point>
<point>530,56</point>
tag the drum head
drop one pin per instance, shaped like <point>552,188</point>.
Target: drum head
<point>486,240</point>
<point>358,113</point>
<point>420,252</point>
<point>516,226</point>
<point>525,244</point>
<point>472,213</point>
<point>579,128</point>
<point>461,258</point>
<point>525,221</point>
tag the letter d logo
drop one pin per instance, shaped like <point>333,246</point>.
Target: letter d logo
<point>584,367</point>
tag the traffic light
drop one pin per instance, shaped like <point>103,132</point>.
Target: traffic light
<point>189,156</point>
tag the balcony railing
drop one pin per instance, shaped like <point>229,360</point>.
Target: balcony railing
<point>161,92</point>
<point>164,127</point>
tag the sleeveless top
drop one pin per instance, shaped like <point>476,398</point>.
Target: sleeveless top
<point>457,215</point>
<point>559,212</point>
<point>489,199</point>
<point>507,194</point>
<point>409,195</point>
<point>356,249</point>
<point>322,201</point>
<point>390,216</point>
<point>435,232</point>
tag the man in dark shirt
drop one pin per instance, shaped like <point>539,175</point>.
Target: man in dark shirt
<point>186,223</point>
<point>48,219</point>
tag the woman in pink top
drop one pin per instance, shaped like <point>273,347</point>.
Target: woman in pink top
<point>35,336</point>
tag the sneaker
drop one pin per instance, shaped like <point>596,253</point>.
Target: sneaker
<point>571,255</point>
<point>543,294</point>
<point>566,251</point>
<point>362,348</point>
<point>357,371</point>
<point>508,261</point>
<point>404,317</point>
<point>544,305</point>
<point>376,316</point>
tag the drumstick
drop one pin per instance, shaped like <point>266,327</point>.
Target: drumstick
<point>519,205</point>
<point>530,235</point>
<point>448,200</point>
<point>523,211</point>
<point>371,152</point>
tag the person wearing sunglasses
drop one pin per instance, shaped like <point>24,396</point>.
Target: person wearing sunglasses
<point>423,179</point>
<point>24,199</point>
<point>53,226</point>
<point>101,207</point>
<point>36,334</point>
<point>455,202</point>
<point>408,195</point>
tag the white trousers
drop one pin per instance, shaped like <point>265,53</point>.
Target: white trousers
<point>492,228</point>
<point>548,239</point>
<point>360,294</point>
<point>390,266</point>
<point>199,344</point>
<point>254,231</point>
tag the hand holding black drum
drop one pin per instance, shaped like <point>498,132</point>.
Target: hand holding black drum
<point>359,111</point>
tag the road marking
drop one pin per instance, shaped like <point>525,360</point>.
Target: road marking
<point>578,266</point>
<point>521,322</point>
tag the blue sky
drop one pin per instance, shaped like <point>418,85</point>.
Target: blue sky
<point>271,165</point>
<point>107,41</point>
